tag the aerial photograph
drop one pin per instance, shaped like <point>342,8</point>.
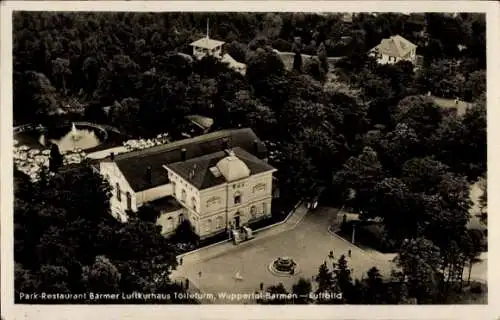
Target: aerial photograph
<point>264,158</point>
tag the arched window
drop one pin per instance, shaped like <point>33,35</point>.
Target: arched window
<point>209,225</point>
<point>129,201</point>
<point>253,212</point>
<point>181,218</point>
<point>183,195</point>
<point>237,197</point>
<point>193,203</point>
<point>170,223</point>
<point>118,192</point>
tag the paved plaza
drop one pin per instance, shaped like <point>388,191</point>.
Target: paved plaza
<point>306,239</point>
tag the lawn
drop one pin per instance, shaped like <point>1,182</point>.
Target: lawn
<point>451,104</point>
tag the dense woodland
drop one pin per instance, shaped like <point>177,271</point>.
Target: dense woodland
<point>371,129</point>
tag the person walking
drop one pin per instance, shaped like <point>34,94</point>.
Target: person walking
<point>349,253</point>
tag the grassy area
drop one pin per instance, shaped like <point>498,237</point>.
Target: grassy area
<point>461,107</point>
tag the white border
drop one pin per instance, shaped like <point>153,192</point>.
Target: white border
<point>10,311</point>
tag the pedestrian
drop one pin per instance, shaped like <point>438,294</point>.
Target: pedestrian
<point>187,284</point>
<point>180,261</point>
<point>261,286</point>
<point>330,255</point>
<point>349,253</point>
<point>199,274</point>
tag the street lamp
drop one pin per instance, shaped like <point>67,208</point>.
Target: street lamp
<point>353,231</point>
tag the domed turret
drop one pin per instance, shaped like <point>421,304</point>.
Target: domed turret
<point>232,168</point>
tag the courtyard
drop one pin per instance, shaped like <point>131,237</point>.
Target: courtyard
<point>304,237</point>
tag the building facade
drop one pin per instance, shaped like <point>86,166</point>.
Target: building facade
<point>219,181</point>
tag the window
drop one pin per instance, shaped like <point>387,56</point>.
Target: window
<point>183,195</point>
<point>170,223</point>
<point>173,188</point>
<point>180,219</point>
<point>253,212</point>
<point>118,193</point>
<point>208,225</point>
<point>129,201</point>
<point>264,208</point>
<point>237,198</point>
<point>219,222</point>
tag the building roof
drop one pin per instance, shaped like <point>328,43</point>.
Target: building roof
<point>233,168</point>
<point>133,164</point>
<point>197,171</point>
<point>201,121</point>
<point>165,204</point>
<point>395,46</point>
<point>207,43</point>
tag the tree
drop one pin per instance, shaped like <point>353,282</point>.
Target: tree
<point>361,174</point>
<point>313,67</point>
<point>483,200</point>
<point>419,113</point>
<point>343,280</point>
<point>420,262</point>
<point>392,201</point>
<point>374,287</point>
<point>56,159</point>
<point>325,280</point>
<point>322,56</point>
<point>184,233</point>
<point>399,146</point>
<point>423,174</point>
<point>102,276</point>
<point>60,70</point>
<point>302,289</point>
<point>277,294</point>
<point>297,62</point>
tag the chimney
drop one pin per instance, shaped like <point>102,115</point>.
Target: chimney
<point>149,175</point>
<point>183,154</point>
<point>226,144</point>
<point>112,156</point>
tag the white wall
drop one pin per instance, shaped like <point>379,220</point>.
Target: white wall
<point>111,172</point>
<point>153,193</point>
<point>169,221</point>
<point>217,204</point>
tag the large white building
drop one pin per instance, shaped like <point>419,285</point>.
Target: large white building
<point>393,50</point>
<point>220,181</point>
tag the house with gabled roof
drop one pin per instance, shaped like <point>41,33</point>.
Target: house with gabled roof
<point>209,47</point>
<point>220,182</point>
<point>393,50</point>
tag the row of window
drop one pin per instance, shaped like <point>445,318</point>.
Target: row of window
<point>118,191</point>
<point>209,227</point>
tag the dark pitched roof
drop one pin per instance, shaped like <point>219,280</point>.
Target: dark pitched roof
<point>165,204</point>
<point>133,164</point>
<point>203,178</point>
